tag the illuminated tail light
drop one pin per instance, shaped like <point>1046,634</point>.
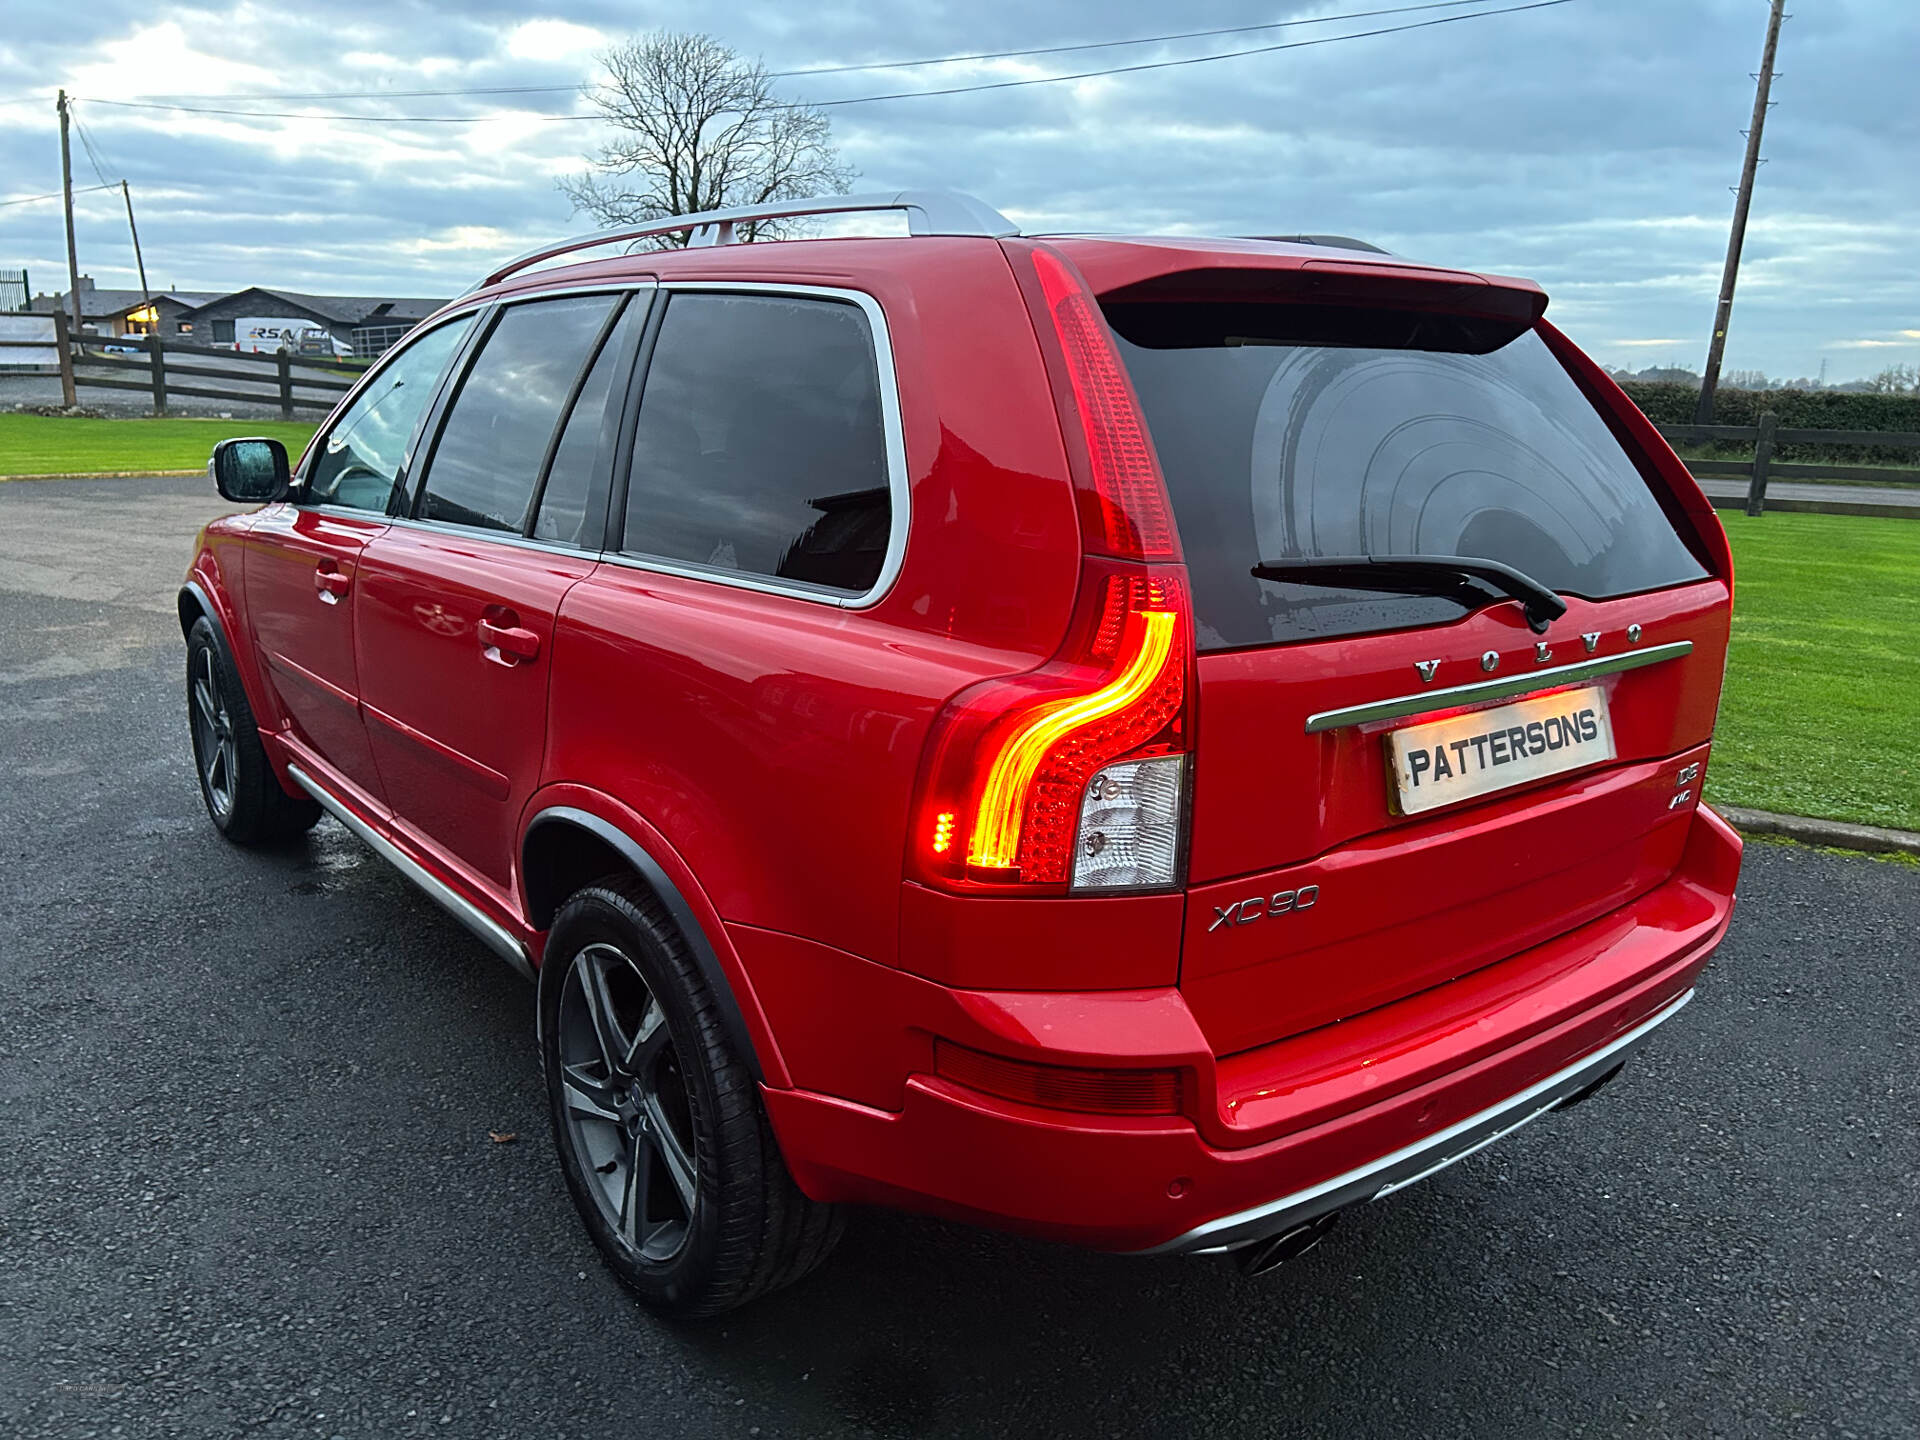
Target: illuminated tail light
<point>1124,508</point>
<point>1060,1087</point>
<point>1011,760</point>
<point>1074,775</point>
<point>1046,756</point>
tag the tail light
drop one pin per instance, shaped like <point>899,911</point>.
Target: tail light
<point>1075,774</point>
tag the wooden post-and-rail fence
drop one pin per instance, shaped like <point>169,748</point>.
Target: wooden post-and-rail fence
<point>167,370</point>
<point>292,383</point>
<point>1769,433</point>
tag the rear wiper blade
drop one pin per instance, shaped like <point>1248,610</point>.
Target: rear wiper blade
<point>1420,575</point>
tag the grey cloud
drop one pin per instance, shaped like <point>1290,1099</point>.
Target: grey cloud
<point>1588,146</point>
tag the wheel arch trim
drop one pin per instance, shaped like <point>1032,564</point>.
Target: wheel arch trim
<point>202,595</point>
<point>706,956</point>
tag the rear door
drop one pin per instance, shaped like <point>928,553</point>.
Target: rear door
<point>1335,867</point>
<point>304,558</point>
<point>456,602</point>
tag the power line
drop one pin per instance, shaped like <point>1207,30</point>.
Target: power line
<point>93,152</point>
<point>1195,60</point>
<point>857,99</point>
<point>56,194</point>
<point>1111,44</point>
<point>845,69</point>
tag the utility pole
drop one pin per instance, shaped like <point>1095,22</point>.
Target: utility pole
<point>1716,349</point>
<point>146,295</point>
<point>66,193</point>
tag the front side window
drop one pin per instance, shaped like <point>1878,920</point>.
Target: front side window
<point>498,429</point>
<point>761,447</point>
<point>366,450</point>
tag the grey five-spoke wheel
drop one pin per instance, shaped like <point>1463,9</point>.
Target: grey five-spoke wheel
<point>657,1114</point>
<point>244,798</point>
<point>626,1101</point>
<point>213,746</point>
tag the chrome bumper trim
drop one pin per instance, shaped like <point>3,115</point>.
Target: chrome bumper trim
<point>1403,705</point>
<point>494,936</point>
<point>1416,1161</point>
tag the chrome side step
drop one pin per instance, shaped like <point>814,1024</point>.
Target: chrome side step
<point>494,936</point>
<point>1416,1161</point>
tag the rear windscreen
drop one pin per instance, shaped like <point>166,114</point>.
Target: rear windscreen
<point>1288,431</point>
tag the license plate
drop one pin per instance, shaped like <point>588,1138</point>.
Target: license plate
<point>1466,756</point>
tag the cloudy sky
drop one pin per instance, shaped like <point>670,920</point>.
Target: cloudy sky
<point>1590,145</point>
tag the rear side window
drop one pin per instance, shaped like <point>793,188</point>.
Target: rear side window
<point>576,486</point>
<point>1289,430</point>
<point>497,431</point>
<point>761,448</point>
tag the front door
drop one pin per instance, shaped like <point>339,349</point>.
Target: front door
<point>300,571</point>
<point>303,559</point>
<point>455,606</point>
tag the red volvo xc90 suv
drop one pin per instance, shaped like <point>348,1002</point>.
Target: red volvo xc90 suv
<point>1143,741</point>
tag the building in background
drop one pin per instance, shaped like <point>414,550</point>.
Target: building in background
<point>129,312</point>
<point>254,319</point>
<point>261,319</point>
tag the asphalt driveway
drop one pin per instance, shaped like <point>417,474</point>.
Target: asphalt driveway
<point>247,1184</point>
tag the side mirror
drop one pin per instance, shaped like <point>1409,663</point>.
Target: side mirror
<point>254,471</point>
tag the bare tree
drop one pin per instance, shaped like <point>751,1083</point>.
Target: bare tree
<point>1896,380</point>
<point>699,128</point>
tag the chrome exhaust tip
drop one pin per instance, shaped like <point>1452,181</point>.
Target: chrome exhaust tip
<point>1270,1254</point>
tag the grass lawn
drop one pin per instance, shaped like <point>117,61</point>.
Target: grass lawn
<point>1822,708</point>
<point>54,445</point>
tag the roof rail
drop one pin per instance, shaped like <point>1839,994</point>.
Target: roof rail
<point>929,212</point>
<point>1335,242</point>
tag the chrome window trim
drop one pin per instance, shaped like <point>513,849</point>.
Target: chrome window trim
<point>1400,706</point>
<point>893,435</point>
<point>1424,1157</point>
<point>495,936</point>
<point>465,532</point>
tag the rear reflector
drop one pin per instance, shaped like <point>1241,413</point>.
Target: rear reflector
<point>1060,1087</point>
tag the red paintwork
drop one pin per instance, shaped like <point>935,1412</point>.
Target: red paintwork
<point>767,752</point>
<point>457,725</point>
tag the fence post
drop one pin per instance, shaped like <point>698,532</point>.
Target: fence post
<point>285,365</point>
<point>159,362</point>
<point>1762,458</point>
<point>64,350</point>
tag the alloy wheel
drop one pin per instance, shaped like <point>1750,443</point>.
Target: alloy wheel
<point>214,745</point>
<point>628,1111</point>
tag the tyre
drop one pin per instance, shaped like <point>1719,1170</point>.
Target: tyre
<point>243,797</point>
<point>659,1125</point>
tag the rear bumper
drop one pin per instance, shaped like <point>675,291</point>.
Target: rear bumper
<point>1287,1133</point>
<point>1423,1157</point>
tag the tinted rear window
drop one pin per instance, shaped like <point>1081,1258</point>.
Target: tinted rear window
<point>1290,431</point>
<point>761,446</point>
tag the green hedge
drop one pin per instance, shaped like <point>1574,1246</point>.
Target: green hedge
<point>1669,403</point>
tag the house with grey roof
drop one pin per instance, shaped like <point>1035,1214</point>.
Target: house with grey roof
<point>131,312</point>
<point>363,325</point>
